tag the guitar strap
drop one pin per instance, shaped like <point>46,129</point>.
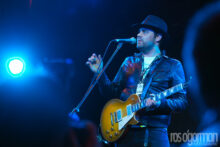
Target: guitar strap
<point>150,76</point>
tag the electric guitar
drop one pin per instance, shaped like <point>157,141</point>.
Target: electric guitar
<point>117,114</point>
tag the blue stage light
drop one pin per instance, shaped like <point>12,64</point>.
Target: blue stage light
<point>15,66</point>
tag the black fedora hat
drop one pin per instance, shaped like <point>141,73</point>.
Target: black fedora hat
<point>155,23</point>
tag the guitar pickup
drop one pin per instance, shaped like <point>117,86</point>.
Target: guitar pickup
<point>112,121</point>
<point>118,115</point>
<point>129,111</point>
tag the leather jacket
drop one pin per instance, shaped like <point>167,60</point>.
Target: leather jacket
<point>168,73</point>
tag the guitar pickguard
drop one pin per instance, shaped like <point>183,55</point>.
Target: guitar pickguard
<point>124,121</point>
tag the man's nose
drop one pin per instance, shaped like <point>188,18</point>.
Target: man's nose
<point>139,33</point>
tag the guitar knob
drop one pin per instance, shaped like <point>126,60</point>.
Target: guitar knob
<point>116,134</point>
<point>107,131</point>
<point>112,129</point>
<point>110,136</point>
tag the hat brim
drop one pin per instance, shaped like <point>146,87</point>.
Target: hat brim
<point>157,30</point>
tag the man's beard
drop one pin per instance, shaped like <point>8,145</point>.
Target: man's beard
<point>145,49</point>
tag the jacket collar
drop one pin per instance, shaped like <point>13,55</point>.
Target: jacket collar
<point>141,56</point>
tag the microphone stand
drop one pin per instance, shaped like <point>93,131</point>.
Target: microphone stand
<point>73,114</point>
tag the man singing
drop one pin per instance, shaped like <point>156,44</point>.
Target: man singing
<point>144,74</point>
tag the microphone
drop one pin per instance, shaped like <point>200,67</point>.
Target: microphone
<point>131,40</point>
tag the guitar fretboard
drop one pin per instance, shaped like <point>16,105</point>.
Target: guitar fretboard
<point>159,96</point>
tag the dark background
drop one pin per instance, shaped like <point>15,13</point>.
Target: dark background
<point>74,29</point>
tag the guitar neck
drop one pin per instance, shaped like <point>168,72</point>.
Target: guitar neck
<point>169,92</point>
<point>159,96</point>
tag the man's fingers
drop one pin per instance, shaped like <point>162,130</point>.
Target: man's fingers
<point>94,55</point>
<point>92,60</point>
<point>100,57</point>
<point>153,97</point>
<point>88,63</point>
<point>150,102</point>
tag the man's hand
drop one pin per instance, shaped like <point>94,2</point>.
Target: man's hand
<point>94,62</point>
<point>151,103</point>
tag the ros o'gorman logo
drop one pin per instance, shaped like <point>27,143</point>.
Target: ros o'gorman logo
<point>195,139</point>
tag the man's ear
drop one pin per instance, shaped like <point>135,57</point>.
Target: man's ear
<point>158,37</point>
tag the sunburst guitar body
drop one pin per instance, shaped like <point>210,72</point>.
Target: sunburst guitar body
<point>117,115</point>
